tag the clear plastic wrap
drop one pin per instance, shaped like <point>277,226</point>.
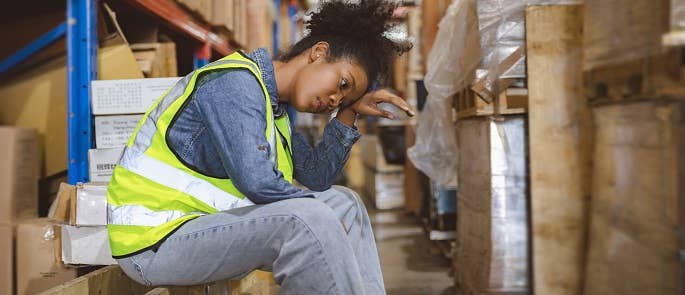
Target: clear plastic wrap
<point>635,223</point>
<point>633,30</point>
<point>451,63</point>
<point>492,231</point>
<point>501,24</point>
<point>678,14</point>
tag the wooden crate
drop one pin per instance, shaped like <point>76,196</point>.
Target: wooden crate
<point>111,280</point>
<point>638,200</point>
<point>653,77</point>
<point>491,254</point>
<point>511,101</point>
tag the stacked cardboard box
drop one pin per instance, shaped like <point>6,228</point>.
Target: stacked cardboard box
<point>156,60</point>
<point>226,14</point>
<point>384,182</point>
<point>34,255</point>
<point>118,106</point>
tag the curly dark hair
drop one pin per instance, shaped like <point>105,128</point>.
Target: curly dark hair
<point>356,31</point>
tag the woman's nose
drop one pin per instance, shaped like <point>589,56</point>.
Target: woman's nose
<point>335,99</point>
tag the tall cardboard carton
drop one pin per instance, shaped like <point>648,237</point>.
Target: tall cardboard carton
<point>18,173</point>
<point>6,259</point>
<point>38,249</point>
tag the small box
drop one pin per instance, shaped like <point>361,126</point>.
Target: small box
<point>18,173</point>
<point>129,96</point>
<point>114,131</point>
<point>372,156</point>
<point>38,252</point>
<point>385,189</point>
<point>90,205</point>
<point>86,245</point>
<point>101,163</point>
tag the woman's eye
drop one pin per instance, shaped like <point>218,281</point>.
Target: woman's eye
<point>343,83</point>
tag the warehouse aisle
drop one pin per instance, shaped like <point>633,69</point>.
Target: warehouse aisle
<point>411,264</point>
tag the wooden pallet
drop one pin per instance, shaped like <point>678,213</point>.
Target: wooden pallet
<point>654,77</point>
<point>511,101</point>
<point>111,280</point>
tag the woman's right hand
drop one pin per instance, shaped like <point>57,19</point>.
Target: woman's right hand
<point>368,104</point>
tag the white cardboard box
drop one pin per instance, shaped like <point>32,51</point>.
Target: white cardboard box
<point>86,245</point>
<point>91,204</point>
<point>114,131</point>
<point>129,96</point>
<point>101,163</point>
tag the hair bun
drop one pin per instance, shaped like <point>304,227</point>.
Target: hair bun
<point>366,21</point>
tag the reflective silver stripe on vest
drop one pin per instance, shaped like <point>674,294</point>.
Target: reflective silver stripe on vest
<point>140,215</point>
<point>177,179</point>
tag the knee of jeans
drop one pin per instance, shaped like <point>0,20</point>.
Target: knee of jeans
<point>313,212</point>
<point>352,196</point>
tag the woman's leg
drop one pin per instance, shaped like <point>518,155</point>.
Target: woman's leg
<point>300,240</point>
<point>350,209</point>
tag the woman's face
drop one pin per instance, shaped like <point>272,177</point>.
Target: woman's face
<point>321,85</point>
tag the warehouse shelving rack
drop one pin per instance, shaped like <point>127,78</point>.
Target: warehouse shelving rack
<point>80,30</point>
<point>82,44</point>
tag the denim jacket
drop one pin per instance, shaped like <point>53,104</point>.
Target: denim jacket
<point>220,133</point>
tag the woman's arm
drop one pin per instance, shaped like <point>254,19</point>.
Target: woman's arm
<point>233,107</point>
<point>317,167</point>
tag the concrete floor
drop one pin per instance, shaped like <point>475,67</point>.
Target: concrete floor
<point>411,263</point>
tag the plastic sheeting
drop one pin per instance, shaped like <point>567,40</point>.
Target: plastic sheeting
<point>492,243</point>
<point>634,30</point>
<point>473,34</point>
<point>451,63</point>
<point>501,24</point>
<point>635,223</point>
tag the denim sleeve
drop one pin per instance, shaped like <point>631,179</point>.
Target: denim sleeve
<point>318,167</point>
<point>232,105</point>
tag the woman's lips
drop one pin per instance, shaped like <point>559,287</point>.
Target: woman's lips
<point>318,105</point>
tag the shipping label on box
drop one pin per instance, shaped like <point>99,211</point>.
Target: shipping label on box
<point>91,204</point>
<point>130,96</point>
<point>86,245</point>
<point>101,163</point>
<point>114,131</point>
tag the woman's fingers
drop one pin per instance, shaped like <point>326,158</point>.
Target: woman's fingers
<point>388,97</point>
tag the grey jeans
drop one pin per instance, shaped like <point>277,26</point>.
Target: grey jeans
<point>301,240</point>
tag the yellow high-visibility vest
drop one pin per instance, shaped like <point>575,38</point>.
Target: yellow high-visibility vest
<point>152,192</point>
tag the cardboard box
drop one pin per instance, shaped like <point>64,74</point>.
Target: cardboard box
<point>156,60</point>
<point>86,245</point>
<point>37,254</point>
<point>130,96</point>
<point>90,206</point>
<point>6,259</point>
<point>385,189</point>
<point>114,131</point>
<point>101,163</point>
<point>372,155</point>
<point>18,173</point>
<point>60,210</point>
<point>37,98</point>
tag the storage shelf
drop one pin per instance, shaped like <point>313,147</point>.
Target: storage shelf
<point>181,21</point>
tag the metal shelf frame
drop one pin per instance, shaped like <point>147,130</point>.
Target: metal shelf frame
<point>82,48</point>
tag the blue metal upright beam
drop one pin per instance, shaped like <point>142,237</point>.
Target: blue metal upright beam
<point>81,69</point>
<point>35,46</point>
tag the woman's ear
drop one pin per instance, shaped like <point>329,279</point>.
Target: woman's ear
<point>318,51</point>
